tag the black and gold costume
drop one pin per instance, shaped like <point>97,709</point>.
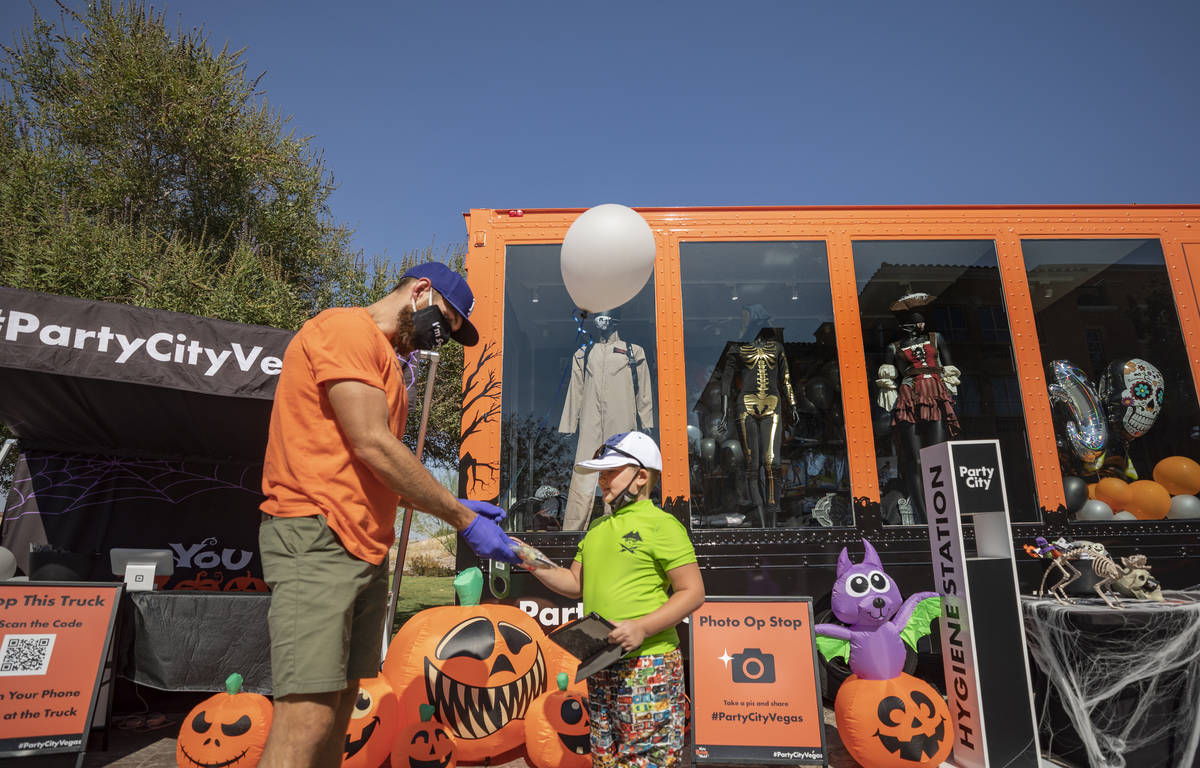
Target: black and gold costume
<point>756,373</point>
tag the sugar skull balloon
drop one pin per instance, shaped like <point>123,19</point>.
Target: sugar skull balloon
<point>1133,391</point>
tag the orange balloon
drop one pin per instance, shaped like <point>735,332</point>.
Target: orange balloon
<point>1091,490</point>
<point>1114,492</point>
<point>1150,501</point>
<point>1179,475</point>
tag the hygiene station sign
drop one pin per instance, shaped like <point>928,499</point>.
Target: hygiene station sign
<point>755,693</point>
<point>54,639</point>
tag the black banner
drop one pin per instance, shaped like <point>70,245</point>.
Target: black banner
<point>93,377</point>
<point>138,428</point>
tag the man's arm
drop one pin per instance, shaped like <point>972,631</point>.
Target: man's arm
<point>564,581</point>
<point>362,413</point>
<point>687,594</point>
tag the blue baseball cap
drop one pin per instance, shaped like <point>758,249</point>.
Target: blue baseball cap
<point>455,291</point>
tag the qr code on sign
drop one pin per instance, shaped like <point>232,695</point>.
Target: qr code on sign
<point>25,654</point>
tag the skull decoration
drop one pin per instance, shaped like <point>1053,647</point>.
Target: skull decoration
<point>1137,581</point>
<point>1133,391</point>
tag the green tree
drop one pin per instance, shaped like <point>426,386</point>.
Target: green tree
<point>139,165</point>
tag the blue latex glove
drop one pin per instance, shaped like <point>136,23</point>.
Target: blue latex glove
<point>487,540</point>
<point>488,510</point>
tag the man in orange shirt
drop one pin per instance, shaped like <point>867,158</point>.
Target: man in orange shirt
<point>334,473</point>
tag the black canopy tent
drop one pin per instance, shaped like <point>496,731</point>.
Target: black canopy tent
<point>138,428</point>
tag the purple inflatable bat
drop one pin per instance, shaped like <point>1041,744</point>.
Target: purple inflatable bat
<point>866,598</point>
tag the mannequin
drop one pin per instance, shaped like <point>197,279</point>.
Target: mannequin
<point>917,382</point>
<point>757,375</point>
<point>610,392</point>
<point>719,452</point>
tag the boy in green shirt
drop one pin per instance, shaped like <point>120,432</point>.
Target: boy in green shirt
<point>641,575</point>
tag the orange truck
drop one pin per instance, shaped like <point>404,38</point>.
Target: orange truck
<point>1070,334</point>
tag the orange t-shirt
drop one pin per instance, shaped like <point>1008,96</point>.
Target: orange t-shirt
<point>310,466</point>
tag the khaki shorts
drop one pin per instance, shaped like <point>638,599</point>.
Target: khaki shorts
<point>327,607</point>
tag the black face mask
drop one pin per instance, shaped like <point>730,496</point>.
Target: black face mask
<point>430,329</point>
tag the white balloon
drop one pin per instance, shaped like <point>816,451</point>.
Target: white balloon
<point>1125,514</point>
<point>1094,509</point>
<point>8,564</point>
<point>607,257</point>
<point>1184,507</point>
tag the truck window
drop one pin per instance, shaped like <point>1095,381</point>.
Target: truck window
<point>568,383</point>
<point>767,441</point>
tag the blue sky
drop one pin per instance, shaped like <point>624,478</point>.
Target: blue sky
<point>425,110</point>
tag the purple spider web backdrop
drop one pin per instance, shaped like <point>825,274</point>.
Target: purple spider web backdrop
<point>206,513</point>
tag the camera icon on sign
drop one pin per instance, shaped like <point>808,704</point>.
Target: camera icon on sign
<point>753,666</point>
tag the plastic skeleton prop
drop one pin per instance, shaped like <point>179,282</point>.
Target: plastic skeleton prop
<point>1062,553</point>
<point>1060,559</point>
<point>1137,581</point>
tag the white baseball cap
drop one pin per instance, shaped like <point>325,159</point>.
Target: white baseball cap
<point>623,450</point>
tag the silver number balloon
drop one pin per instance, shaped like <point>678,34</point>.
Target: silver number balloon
<point>1086,430</point>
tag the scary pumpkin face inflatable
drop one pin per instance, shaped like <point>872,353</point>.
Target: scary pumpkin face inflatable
<point>228,729</point>
<point>901,722</point>
<point>424,744</point>
<point>373,723</point>
<point>480,666</point>
<point>558,731</point>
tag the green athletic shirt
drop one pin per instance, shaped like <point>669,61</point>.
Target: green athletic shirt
<point>625,558</point>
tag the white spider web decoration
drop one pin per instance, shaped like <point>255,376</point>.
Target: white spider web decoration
<point>1129,680</point>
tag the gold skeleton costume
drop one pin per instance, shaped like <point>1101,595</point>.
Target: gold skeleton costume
<point>759,371</point>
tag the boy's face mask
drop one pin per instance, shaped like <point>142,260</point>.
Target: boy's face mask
<point>430,329</point>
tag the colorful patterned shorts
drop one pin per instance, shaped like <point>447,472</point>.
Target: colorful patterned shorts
<point>638,712</point>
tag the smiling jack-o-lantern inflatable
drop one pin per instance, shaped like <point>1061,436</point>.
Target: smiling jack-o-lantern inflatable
<point>558,731</point>
<point>373,723</point>
<point>901,722</point>
<point>424,744</point>
<point>227,729</point>
<point>480,666</point>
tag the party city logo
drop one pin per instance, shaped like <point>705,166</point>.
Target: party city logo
<point>161,347</point>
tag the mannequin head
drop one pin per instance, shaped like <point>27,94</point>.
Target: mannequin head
<point>754,318</point>
<point>907,310</point>
<point>605,323</point>
<point>912,324</point>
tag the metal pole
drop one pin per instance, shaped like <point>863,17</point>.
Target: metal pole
<point>398,572</point>
<point>8,444</point>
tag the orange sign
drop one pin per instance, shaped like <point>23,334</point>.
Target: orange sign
<point>54,638</point>
<point>755,697</point>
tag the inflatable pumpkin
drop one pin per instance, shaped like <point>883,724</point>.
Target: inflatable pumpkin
<point>901,722</point>
<point>373,723</point>
<point>480,666</point>
<point>226,729</point>
<point>424,744</point>
<point>558,731</point>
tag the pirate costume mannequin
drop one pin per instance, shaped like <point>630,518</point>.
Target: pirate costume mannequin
<point>917,383</point>
<point>757,375</point>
